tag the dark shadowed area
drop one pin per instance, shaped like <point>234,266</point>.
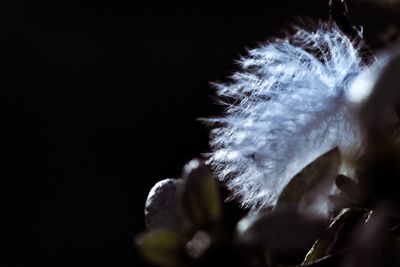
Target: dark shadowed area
<point>100,100</point>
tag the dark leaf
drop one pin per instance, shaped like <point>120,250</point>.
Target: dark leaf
<point>341,201</point>
<point>327,261</point>
<point>394,246</point>
<point>370,245</point>
<point>285,232</point>
<point>338,236</point>
<point>348,186</point>
<point>312,182</point>
<point>200,197</point>
<point>376,113</point>
<point>379,172</point>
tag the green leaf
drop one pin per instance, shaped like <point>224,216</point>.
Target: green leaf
<point>200,197</point>
<point>314,180</point>
<point>161,247</point>
<point>338,236</point>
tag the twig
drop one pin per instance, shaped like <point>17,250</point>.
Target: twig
<point>339,13</point>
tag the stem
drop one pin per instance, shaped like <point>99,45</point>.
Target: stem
<point>339,13</point>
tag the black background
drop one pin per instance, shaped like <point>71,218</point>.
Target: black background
<point>101,100</point>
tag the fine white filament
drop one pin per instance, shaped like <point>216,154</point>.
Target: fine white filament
<point>289,103</point>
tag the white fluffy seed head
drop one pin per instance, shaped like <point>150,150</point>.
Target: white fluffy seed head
<point>289,103</point>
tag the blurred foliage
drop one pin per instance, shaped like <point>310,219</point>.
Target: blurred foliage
<point>393,5</point>
<point>186,217</point>
<point>364,226</point>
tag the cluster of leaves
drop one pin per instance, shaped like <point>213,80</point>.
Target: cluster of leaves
<point>186,227</point>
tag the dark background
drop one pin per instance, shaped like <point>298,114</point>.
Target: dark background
<point>100,100</point>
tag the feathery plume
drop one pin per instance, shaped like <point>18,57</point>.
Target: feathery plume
<point>290,103</point>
